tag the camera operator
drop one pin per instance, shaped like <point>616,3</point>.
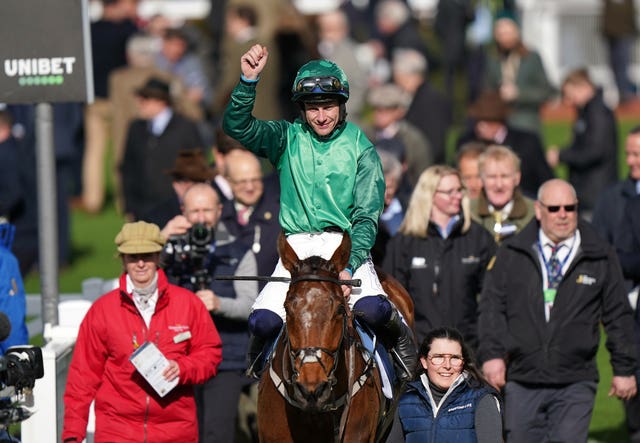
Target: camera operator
<point>193,265</point>
<point>144,309</point>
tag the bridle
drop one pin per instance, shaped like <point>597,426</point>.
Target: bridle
<point>313,354</point>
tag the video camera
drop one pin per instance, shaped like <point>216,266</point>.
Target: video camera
<point>20,366</point>
<point>185,256</point>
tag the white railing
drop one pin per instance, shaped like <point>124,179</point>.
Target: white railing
<point>45,425</point>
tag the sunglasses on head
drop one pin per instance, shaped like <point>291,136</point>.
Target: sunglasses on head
<point>312,84</point>
<point>556,208</point>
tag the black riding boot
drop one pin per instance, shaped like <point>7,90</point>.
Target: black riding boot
<point>256,357</point>
<point>404,349</point>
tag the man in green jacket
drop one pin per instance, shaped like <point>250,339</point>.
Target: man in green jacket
<point>501,207</point>
<point>331,181</point>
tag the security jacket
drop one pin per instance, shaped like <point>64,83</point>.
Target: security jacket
<point>443,276</point>
<point>512,321</point>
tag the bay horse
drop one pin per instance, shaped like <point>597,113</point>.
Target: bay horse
<point>319,386</point>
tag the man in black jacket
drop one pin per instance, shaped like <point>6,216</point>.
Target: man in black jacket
<point>252,214</point>
<point>153,143</point>
<point>612,201</point>
<point>627,241</point>
<point>430,110</point>
<point>229,303</point>
<point>543,299</point>
<point>592,156</point>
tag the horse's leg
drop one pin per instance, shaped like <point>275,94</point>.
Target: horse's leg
<point>273,425</point>
<point>363,414</point>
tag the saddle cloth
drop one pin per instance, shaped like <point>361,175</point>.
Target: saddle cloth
<point>379,353</point>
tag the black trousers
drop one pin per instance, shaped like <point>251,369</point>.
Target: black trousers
<point>548,414</point>
<point>632,411</point>
<point>217,406</point>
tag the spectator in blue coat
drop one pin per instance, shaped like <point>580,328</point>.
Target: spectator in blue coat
<point>451,401</point>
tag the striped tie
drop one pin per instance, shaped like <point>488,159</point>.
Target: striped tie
<point>554,268</point>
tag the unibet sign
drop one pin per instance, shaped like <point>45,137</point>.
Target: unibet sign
<point>39,66</point>
<point>52,69</point>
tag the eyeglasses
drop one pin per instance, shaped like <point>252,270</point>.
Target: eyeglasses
<point>455,361</point>
<point>556,208</point>
<point>326,84</point>
<point>451,192</point>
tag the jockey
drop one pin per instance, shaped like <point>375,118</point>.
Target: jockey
<point>331,180</point>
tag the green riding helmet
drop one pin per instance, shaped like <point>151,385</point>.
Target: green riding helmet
<point>319,81</point>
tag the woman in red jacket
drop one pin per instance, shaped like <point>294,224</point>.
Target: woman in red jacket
<point>145,308</point>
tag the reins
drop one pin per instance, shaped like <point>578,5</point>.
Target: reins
<point>308,277</point>
<point>312,354</point>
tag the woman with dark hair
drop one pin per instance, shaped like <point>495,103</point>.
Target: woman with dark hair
<point>451,400</point>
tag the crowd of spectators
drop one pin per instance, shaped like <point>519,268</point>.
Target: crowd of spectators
<point>459,189</point>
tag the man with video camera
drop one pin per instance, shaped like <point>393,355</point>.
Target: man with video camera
<point>200,247</point>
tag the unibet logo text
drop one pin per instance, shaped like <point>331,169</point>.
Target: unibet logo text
<point>39,71</point>
<point>39,66</point>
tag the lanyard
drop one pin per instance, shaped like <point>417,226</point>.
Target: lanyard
<point>562,264</point>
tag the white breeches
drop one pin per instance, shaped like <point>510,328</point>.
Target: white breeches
<point>306,245</point>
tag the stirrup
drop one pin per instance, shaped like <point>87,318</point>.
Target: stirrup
<point>403,374</point>
<point>256,368</point>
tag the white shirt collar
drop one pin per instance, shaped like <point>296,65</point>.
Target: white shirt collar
<point>565,254</point>
<point>146,311</point>
<point>505,211</point>
<point>395,207</point>
<point>159,122</point>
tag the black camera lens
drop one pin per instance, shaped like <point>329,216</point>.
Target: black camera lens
<point>200,235</point>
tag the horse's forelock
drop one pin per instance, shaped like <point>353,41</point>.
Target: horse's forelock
<point>312,266</point>
<point>316,264</point>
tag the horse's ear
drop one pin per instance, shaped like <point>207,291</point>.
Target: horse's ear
<point>340,258</point>
<point>286,252</point>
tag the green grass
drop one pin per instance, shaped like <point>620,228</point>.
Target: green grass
<point>559,133</point>
<point>607,423</point>
<point>93,252</point>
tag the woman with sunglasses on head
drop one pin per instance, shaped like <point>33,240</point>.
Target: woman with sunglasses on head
<point>440,254</point>
<point>331,182</point>
<point>451,401</point>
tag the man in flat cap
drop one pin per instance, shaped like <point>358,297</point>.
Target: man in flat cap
<point>145,310</point>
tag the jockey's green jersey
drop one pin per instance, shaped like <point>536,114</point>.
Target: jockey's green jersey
<point>335,181</point>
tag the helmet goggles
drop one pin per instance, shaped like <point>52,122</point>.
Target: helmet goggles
<point>331,85</point>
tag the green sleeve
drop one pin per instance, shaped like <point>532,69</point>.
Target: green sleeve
<point>368,205</point>
<point>263,138</point>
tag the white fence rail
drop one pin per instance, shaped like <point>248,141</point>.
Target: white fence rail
<point>45,425</point>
